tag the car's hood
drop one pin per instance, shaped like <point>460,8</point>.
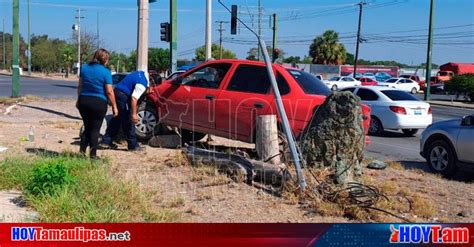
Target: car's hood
<point>446,124</point>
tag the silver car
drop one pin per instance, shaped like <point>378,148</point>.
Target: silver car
<point>447,145</point>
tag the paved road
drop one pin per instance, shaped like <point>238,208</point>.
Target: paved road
<point>394,146</point>
<point>46,88</point>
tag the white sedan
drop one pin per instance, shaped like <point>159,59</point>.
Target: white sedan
<point>338,82</point>
<point>393,109</point>
<point>407,85</point>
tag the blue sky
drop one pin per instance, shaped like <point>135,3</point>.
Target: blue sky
<point>394,29</point>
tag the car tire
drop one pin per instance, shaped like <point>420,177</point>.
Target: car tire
<point>413,90</point>
<point>441,158</point>
<point>334,88</point>
<point>409,132</point>
<point>188,136</point>
<point>375,127</point>
<point>148,121</point>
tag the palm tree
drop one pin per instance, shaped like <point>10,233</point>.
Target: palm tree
<point>326,49</point>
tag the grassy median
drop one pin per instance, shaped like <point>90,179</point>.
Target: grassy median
<point>69,188</point>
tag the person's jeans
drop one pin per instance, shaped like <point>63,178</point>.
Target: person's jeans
<point>92,110</point>
<point>122,120</point>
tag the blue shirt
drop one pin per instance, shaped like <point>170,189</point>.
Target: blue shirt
<point>94,78</point>
<point>127,85</point>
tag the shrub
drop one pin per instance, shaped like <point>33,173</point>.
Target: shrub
<point>47,178</point>
<point>461,85</point>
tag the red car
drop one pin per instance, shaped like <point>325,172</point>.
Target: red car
<point>365,81</point>
<point>224,97</point>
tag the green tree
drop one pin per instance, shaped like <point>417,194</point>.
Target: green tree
<point>292,59</point>
<point>215,50</point>
<point>118,62</point>
<point>461,85</point>
<point>8,51</point>
<point>68,57</point>
<point>253,53</point>
<point>326,49</point>
<point>349,58</point>
<point>46,54</point>
<point>158,59</point>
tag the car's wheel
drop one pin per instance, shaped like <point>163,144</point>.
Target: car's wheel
<point>189,137</point>
<point>441,159</point>
<point>410,132</point>
<point>148,121</point>
<point>413,90</point>
<point>334,87</point>
<point>376,127</point>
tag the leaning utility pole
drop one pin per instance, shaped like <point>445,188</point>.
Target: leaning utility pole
<point>208,29</point>
<point>142,37</point>
<point>173,35</point>
<point>275,29</point>
<point>79,17</point>
<point>429,52</point>
<point>259,25</point>
<point>97,34</point>
<point>16,50</point>
<point>29,41</point>
<point>221,29</point>
<point>361,4</point>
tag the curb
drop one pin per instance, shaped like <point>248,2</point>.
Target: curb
<point>38,77</point>
<point>451,105</point>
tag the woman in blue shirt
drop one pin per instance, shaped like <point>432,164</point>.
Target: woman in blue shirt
<point>95,87</point>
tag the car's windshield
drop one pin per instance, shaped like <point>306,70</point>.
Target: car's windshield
<point>309,83</point>
<point>335,78</point>
<point>369,74</point>
<point>397,95</point>
<point>391,80</point>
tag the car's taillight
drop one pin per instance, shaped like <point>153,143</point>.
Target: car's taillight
<point>430,111</point>
<point>398,109</point>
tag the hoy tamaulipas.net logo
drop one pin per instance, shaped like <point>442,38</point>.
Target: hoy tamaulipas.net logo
<point>429,234</point>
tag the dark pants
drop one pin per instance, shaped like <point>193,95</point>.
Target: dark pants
<point>92,110</point>
<point>124,120</point>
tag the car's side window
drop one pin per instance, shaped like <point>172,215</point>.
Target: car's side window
<point>208,77</point>
<point>366,94</point>
<point>250,79</point>
<point>283,86</point>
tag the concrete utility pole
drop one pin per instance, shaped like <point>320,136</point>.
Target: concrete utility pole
<point>79,17</point>
<point>29,41</point>
<point>221,30</point>
<point>429,52</point>
<point>3,46</point>
<point>275,29</point>
<point>259,25</point>
<point>98,37</point>
<point>208,29</point>
<point>361,4</point>
<point>174,35</point>
<point>16,50</point>
<point>142,37</point>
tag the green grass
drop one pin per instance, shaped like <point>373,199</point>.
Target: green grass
<point>69,188</point>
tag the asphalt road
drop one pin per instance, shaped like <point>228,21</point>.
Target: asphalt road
<point>394,146</point>
<point>45,88</point>
<point>391,146</point>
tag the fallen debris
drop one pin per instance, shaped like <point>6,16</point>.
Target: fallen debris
<point>377,164</point>
<point>9,109</point>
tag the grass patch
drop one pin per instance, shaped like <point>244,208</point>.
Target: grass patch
<point>68,188</point>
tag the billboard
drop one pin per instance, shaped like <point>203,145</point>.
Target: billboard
<point>391,70</point>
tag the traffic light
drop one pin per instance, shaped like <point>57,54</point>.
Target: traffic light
<point>276,54</point>
<point>233,20</point>
<point>165,31</point>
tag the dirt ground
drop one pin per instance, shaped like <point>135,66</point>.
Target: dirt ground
<point>200,198</point>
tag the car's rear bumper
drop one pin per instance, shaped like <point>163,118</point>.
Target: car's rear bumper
<point>398,121</point>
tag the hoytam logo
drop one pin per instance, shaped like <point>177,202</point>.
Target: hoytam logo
<point>75,234</point>
<point>429,234</point>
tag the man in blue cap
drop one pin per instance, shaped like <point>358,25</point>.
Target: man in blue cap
<point>127,92</point>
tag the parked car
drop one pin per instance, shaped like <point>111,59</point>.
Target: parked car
<point>448,145</point>
<point>369,75</point>
<point>365,81</point>
<point>357,75</point>
<point>175,74</point>
<point>415,78</point>
<point>224,97</point>
<point>338,82</point>
<point>117,77</point>
<point>406,85</point>
<point>382,76</point>
<point>393,109</point>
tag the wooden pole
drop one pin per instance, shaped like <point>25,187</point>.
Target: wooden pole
<point>267,139</point>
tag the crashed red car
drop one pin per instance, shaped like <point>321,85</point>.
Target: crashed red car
<point>224,97</point>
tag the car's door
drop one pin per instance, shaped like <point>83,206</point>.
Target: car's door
<point>465,141</point>
<point>347,81</point>
<point>246,95</point>
<point>193,101</point>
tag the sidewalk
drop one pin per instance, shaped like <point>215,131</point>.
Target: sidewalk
<point>468,105</point>
<point>52,76</point>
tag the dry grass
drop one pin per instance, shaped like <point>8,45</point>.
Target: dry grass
<point>174,202</point>
<point>395,165</point>
<point>177,160</point>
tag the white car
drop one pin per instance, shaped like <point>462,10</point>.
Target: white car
<point>338,82</point>
<point>393,109</point>
<point>407,85</point>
